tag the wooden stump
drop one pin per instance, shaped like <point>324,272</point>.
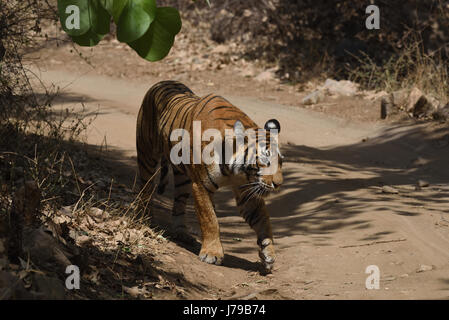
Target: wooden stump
<point>24,213</point>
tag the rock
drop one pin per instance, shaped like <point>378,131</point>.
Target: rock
<point>265,76</point>
<point>399,98</point>
<point>434,103</point>
<point>424,268</point>
<point>313,98</point>
<point>441,114</point>
<point>341,88</point>
<point>413,99</point>
<point>422,108</point>
<point>389,190</point>
<point>421,105</point>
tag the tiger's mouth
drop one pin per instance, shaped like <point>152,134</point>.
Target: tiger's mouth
<point>266,188</point>
<point>255,190</point>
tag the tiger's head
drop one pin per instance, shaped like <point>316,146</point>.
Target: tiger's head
<point>259,157</point>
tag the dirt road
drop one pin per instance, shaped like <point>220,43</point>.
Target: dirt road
<point>333,217</point>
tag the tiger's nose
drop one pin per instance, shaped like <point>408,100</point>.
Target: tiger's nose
<point>277,180</point>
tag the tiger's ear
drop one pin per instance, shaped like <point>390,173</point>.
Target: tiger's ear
<point>273,124</point>
<point>239,129</point>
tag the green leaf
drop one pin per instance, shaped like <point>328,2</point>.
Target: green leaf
<point>114,7</point>
<point>92,16</point>
<point>170,19</point>
<point>101,19</point>
<point>88,39</point>
<point>158,40</point>
<point>149,6</point>
<point>135,19</point>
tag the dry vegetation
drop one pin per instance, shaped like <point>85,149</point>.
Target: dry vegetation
<point>413,67</point>
<point>59,202</point>
<point>328,39</point>
<point>88,219</point>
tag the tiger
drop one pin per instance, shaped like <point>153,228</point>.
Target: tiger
<point>170,105</point>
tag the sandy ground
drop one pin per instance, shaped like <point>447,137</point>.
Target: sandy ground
<point>331,219</point>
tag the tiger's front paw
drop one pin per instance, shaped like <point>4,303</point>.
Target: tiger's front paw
<point>212,254</point>
<point>267,255</point>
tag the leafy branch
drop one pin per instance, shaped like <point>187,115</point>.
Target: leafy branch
<point>146,28</point>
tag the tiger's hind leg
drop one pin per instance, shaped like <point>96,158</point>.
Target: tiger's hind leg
<point>255,214</point>
<point>183,190</point>
<point>148,153</point>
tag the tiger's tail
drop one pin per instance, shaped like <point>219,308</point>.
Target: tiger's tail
<point>163,180</point>
<point>148,154</point>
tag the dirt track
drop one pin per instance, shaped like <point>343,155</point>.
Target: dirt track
<point>330,220</point>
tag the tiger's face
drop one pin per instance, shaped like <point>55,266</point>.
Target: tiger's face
<point>262,160</point>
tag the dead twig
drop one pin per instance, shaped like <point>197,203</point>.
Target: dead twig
<point>373,243</point>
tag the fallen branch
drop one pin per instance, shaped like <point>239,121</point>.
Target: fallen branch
<point>373,243</point>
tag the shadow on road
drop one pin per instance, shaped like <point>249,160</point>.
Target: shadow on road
<point>328,189</point>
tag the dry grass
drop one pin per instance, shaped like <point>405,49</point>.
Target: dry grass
<point>92,217</point>
<point>411,67</point>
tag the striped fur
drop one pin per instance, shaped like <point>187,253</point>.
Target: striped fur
<point>170,105</point>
